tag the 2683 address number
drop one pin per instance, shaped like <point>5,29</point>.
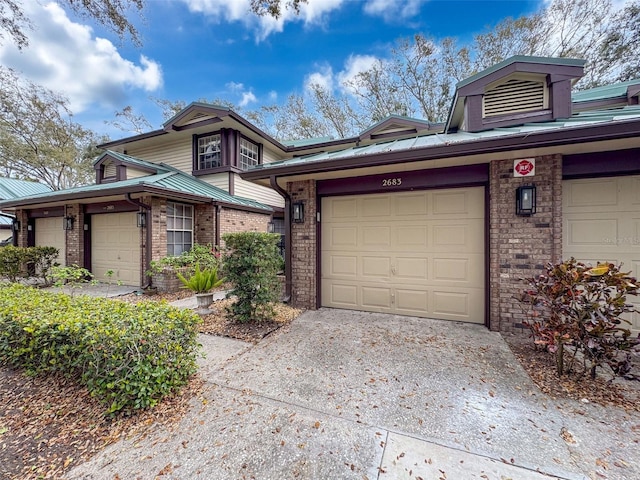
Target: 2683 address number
<point>391,182</point>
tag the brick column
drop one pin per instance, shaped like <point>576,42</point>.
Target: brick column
<point>75,238</point>
<point>521,246</point>
<point>158,224</point>
<point>204,229</point>
<point>21,215</point>
<point>304,246</point>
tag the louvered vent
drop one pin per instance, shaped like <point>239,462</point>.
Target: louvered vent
<point>514,96</point>
<point>196,117</point>
<point>109,170</point>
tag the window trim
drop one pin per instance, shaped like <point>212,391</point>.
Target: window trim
<point>239,152</point>
<point>191,230</point>
<point>229,152</point>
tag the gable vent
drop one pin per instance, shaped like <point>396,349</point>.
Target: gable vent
<point>514,96</point>
<point>109,170</point>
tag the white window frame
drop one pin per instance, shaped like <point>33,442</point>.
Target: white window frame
<point>210,151</point>
<point>249,154</point>
<point>179,228</point>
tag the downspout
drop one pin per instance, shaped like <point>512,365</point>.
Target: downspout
<point>147,247</point>
<point>287,235</point>
<point>217,227</point>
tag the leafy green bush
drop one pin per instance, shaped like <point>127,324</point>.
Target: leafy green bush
<point>251,265</point>
<point>204,255</point>
<point>578,307</point>
<point>129,356</point>
<point>18,262</point>
<point>202,281</point>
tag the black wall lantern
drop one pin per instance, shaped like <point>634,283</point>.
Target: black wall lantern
<point>526,200</point>
<point>271,227</point>
<point>298,212</point>
<point>15,225</point>
<point>67,223</point>
<point>141,219</point>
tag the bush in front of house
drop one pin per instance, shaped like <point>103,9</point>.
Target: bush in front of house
<point>17,262</point>
<point>575,312</point>
<point>128,355</point>
<point>204,255</point>
<point>251,264</point>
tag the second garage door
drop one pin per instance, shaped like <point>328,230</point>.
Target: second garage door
<point>49,233</point>
<point>115,245</point>
<point>602,224</point>
<point>414,253</point>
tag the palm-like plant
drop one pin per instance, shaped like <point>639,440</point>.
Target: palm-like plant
<point>202,281</point>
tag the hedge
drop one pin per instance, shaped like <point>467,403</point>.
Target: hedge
<point>128,355</point>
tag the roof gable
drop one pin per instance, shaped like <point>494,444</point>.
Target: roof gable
<point>396,126</point>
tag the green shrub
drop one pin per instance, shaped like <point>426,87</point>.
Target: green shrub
<point>129,356</point>
<point>204,255</point>
<point>16,262</point>
<point>202,281</point>
<point>578,307</point>
<point>251,265</point>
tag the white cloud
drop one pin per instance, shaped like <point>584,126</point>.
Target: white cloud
<point>64,56</point>
<point>273,96</point>
<point>247,98</point>
<point>235,86</point>
<point>353,66</point>
<point>393,10</point>
<point>311,13</point>
<point>324,77</point>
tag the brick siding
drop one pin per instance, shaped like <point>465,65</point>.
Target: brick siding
<point>519,247</point>
<point>304,251</point>
<point>235,221</point>
<point>75,237</point>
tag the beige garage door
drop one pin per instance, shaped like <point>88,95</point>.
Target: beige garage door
<point>414,253</point>
<point>115,245</point>
<point>49,233</point>
<point>602,224</point>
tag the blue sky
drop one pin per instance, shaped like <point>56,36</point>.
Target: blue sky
<point>215,49</point>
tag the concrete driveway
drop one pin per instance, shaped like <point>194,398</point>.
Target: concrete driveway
<point>341,395</point>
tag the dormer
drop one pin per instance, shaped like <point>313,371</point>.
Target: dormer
<point>397,126</point>
<point>516,91</point>
<point>115,167</point>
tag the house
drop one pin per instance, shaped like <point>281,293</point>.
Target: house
<point>13,188</point>
<point>408,217</point>
<point>444,221</point>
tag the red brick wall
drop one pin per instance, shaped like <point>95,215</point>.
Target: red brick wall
<point>235,221</point>
<point>75,237</point>
<point>21,215</point>
<point>204,224</point>
<point>304,252</point>
<point>519,247</point>
<point>158,227</point>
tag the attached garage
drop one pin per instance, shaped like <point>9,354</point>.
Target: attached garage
<point>419,253</point>
<point>115,245</point>
<point>49,233</point>
<point>602,224</point>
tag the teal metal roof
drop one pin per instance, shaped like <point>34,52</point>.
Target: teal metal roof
<point>307,142</point>
<point>439,139</point>
<point>172,181</point>
<point>617,90</point>
<point>12,188</point>
<point>569,62</point>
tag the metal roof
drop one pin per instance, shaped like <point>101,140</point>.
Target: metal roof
<point>169,182</point>
<point>440,139</point>
<point>12,188</point>
<point>605,92</point>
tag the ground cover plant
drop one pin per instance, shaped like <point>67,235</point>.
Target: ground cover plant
<point>19,262</point>
<point>129,356</point>
<point>575,312</point>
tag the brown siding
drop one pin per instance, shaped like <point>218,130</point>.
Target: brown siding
<point>521,246</point>
<point>304,241</point>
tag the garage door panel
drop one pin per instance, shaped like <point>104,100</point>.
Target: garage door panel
<point>115,245</point>
<point>602,224</point>
<point>425,242</point>
<point>49,233</point>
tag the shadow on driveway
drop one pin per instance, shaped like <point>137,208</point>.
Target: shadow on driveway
<point>341,394</point>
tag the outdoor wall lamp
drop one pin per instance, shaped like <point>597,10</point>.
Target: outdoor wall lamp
<point>141,218</point>
<point>15,225</point>
<point>526,200</point>
<point>298,212</point>
<point>271,227</point>
<point>67,223</point>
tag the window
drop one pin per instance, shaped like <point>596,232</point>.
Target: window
<point>209,155</point>
<point>249,154</point>
<point>179,228</point>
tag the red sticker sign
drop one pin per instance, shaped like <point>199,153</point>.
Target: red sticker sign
<point>525,167</point>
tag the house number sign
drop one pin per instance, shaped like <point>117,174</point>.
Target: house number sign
<point>391,182</point>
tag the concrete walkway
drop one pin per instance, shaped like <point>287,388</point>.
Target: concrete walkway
<point>353,395</point>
